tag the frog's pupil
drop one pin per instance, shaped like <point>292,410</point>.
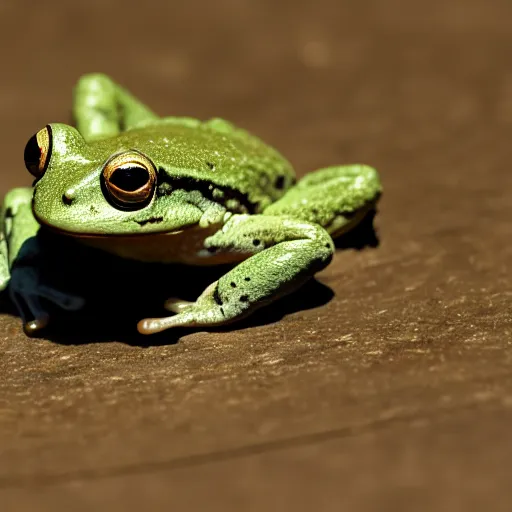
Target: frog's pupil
<point>129,177</point>
<point>32,155</point>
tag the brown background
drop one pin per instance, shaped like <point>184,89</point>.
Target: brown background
<point>396,394</point>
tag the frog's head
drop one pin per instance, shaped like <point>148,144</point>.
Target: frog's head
<point>98,188</point>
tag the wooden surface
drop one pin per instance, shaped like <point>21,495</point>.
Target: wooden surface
<point>386,385</point>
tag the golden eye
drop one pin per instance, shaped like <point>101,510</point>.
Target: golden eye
<point>38,151</point>
<point>129,179</point>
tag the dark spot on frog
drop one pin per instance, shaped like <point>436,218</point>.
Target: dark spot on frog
<point>68,200</point>
<point>152,220</point>
<point>256,242</point>
<point>233,284</point>
<point>216,296</point>
<point>244,298</point>
<point>328,246</point>
<point>279,183</point>
<point>247,278</point>
<point>211,166</point>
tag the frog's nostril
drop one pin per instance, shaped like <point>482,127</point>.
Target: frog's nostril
<point>68,197</point>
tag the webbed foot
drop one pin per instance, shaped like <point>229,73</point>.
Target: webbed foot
<point>31,298</point>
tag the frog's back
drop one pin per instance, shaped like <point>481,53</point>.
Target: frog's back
<point>214,155</point>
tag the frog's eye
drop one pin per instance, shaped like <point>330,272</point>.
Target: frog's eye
<point>38,151</point>
<point>129,180</point>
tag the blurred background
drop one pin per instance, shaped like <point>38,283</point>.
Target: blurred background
<point>394,395</point>
<point>367,80</point>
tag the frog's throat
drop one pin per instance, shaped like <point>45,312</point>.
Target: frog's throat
<point>181,246</point>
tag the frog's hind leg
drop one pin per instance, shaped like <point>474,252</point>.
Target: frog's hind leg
<point>337,198</point>
<point>283,252</point>
<point>102,108</point>
<point>289,243</point>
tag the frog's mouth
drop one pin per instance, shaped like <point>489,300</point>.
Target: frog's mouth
<point>99,219</point>
<point>143,232</point>
<point>140,234</point>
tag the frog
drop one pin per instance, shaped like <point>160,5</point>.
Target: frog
<point>141,187</point>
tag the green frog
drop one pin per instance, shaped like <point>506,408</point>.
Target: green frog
<point>173,190</point>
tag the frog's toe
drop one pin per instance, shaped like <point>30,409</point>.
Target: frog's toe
<point>154,325</point>
<point>177,305</point>
<point>192,317</point>
<point>32,312</point>
<point>37,324</point>
<point>29,297</point>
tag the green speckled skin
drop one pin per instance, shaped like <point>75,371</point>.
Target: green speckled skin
<point>220,195</point>
<point>192,155</point>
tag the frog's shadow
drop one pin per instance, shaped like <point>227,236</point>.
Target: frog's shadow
<point>131,291</point>
<point>117,321</point>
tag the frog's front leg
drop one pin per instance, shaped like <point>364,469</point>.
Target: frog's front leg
<point>283,254</point>
<point>20,264</point>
